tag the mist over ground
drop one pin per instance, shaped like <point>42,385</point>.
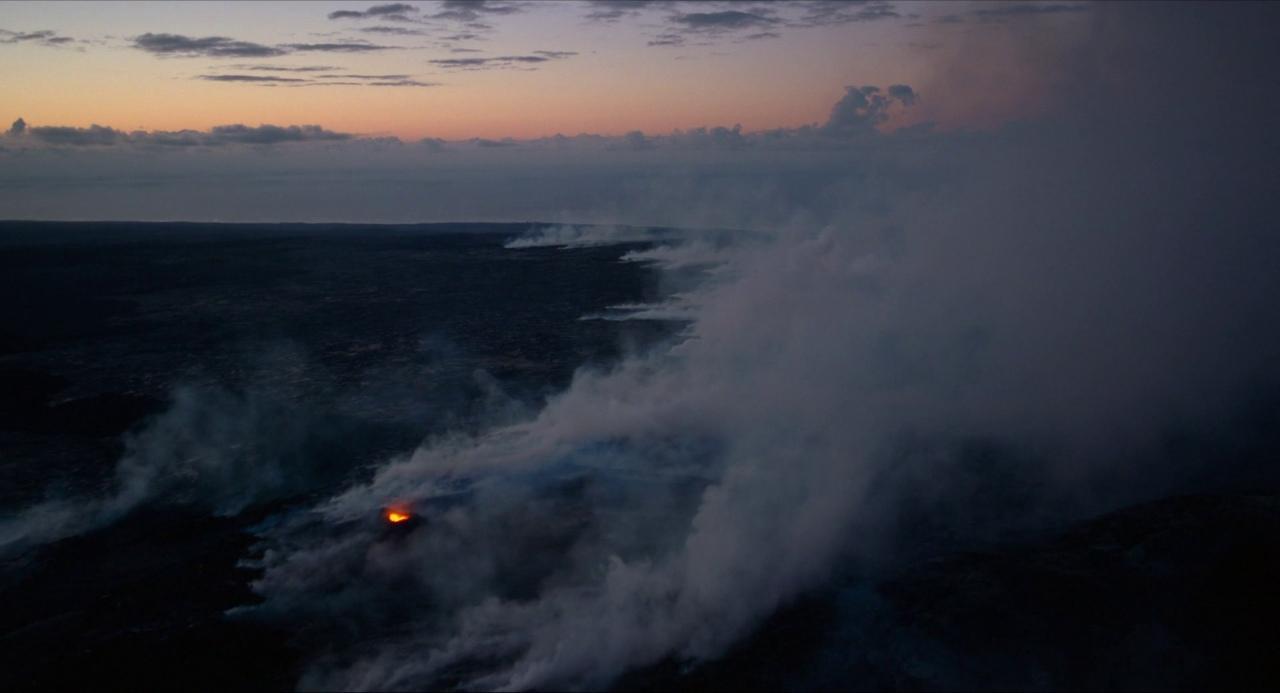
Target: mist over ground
<point>921,341</point>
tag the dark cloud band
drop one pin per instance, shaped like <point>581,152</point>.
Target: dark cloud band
<point>222,47</point>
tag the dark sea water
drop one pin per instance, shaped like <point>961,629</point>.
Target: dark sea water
<point>361,340</point>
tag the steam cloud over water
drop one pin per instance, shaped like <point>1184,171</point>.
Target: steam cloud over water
<point>1071,293</point>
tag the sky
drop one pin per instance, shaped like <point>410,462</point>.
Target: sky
<point>720,114</point>
<point>496,69</point>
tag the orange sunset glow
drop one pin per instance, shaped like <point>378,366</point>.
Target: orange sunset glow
<point>547,69</point>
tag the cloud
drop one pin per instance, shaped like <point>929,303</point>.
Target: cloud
<point>472,10</point>
<point>101,136</point>
<point>903,93</point>
<point>250,78</point>
<point>392,31</point>
<point>1004,12</point>
<point>667,39</point>
<point>862,109</point>
<point>461,63</point>
<point>286,68</point>
<point>19,127</point>
<point>312,77</point>
<point>374,77</point>
<point>636,140</point>
<point>1027,9</point>
<point>754,21</point>
<point>718,137</point>
<point>207,46</point>
<point>725,20</point>
<point>274,134</point>
<point>43,37</point>
<point>501,61</point>
<point>345,47</point>
<point>395,12</point>
<point>840,12</point>
<point>94,135</point>
<point>402,83</point>
<point>222,47</point>
<point>608,11</point>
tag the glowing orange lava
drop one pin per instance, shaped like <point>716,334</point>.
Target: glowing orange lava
<point>396,516</point>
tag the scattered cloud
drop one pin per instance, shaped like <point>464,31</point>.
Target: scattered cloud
<point>43,37</point>
<point>374,77</point>
<point>862,109</point>
<point>903,93</point>
<point>501,61</point>
<point>608,11</point>
<point>314,79</point>
<point>859,114</point>
<point>223,47</point>
<point>461,63</point>
<point>393,31</point>
<point>745,21</point>
<point>726,20</point>
<point>206,46</point>
<point>473,10</point>
<point>265,79</point>
<point>1015,10</point>
<point>393,12</point>
<point>94,135</point>
<point>286,68</point>
<point>401,83</point>
<point>1025,9</point>
<point>274,134</point>
<point>482,142</point>
<point>222,135</point>
<point>343,47</point>
<point>669,38</point>
<point>840,12</point>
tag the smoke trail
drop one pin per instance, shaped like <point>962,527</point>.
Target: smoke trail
<point>289,430</point>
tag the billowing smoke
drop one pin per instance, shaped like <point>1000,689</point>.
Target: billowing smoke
<point>1072,294</point>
